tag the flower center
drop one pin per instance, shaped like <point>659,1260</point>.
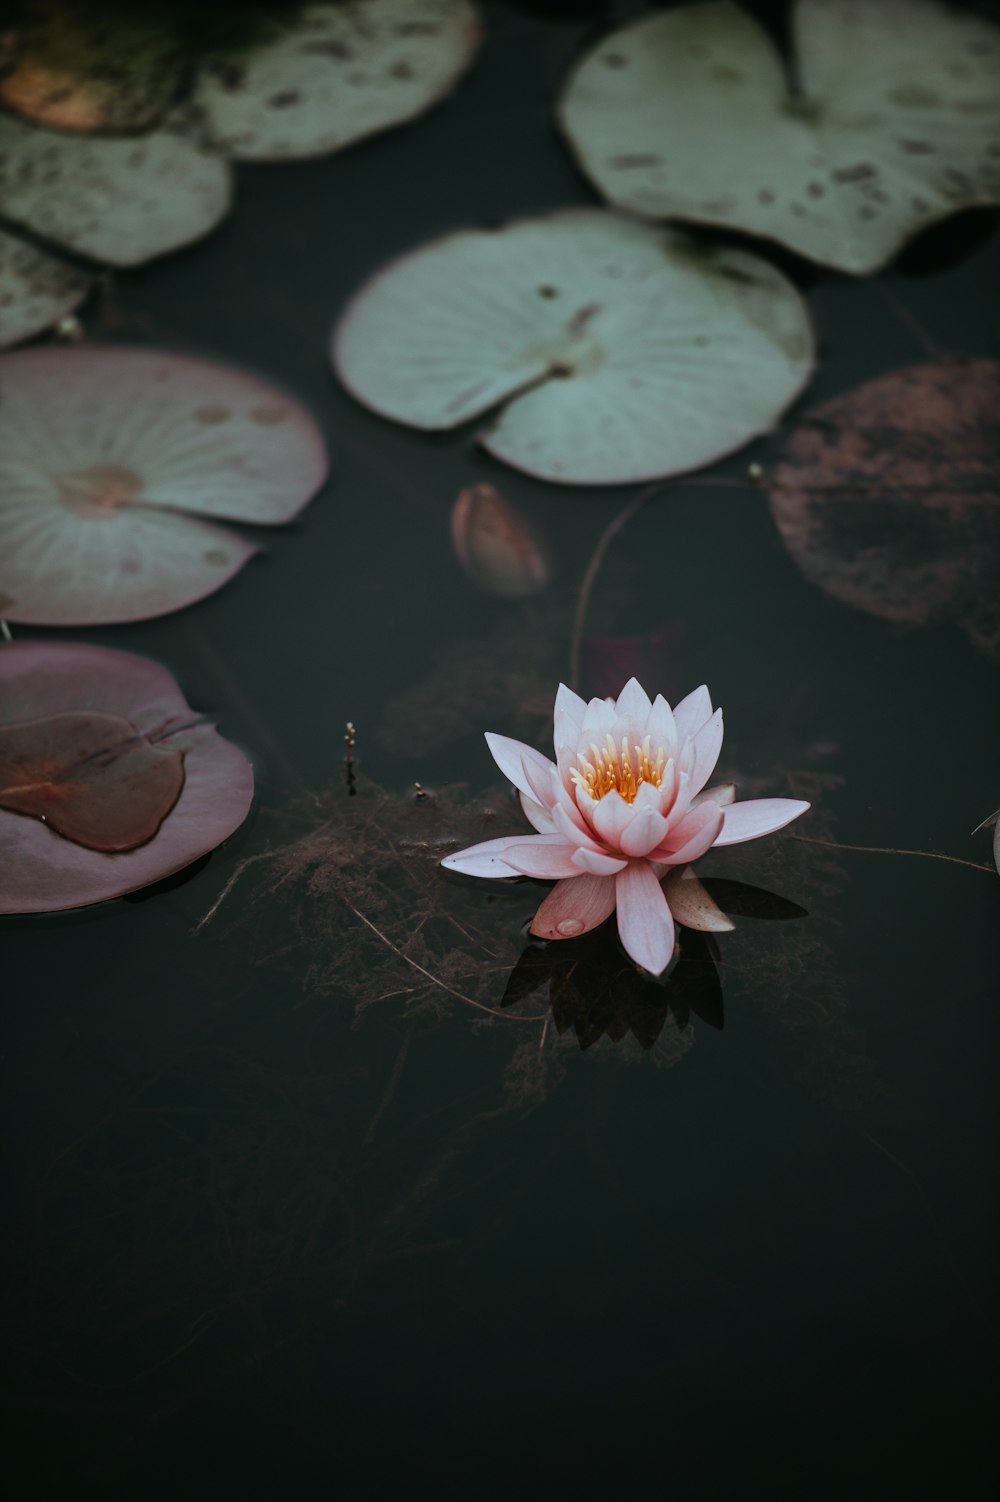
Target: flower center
<point>619,769</point>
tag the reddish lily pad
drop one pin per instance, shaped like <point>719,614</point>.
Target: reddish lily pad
<point>89,776</point>
<point>496,545</point>
<point>888,497</point>
<point>167,790</point>
<point>110,457</point>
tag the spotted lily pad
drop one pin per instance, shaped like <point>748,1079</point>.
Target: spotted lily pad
<point>119,760</point>
<point>90,777</point>
<point>109,460</point>
<point>624,352</point>
<point>893,122</point>
<point>81,69</point>
<point>119,200</point>
<point>339,73</point>
<point>36,290</point>
<point>888,497</point>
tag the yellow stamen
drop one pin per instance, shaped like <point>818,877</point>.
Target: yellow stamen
<point>619,769</point>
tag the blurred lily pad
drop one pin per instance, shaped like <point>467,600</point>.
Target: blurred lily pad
<point>622,352</point>
<point>77,68</point>
<point>888,120</point>
<point>110,458</point>
<point>36,289</point>
<point>337,74</point>
<point>118,200</point>
<point>888,497</point>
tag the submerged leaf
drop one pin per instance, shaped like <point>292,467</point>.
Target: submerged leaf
<point>58,696</point>
<point>89,776</point>
<point>888,497</point>
<point>623,352</point>
<point>106,452</point>
<point>36,290</point>
<point>339,73</point>
<point>495,544</point>
<point>894,122</point>
<point>119,201</point>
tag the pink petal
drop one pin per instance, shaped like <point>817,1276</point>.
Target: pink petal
<point>706,745</point>
<point>645,831</point>
<point>575,907</point>
<point>610,816</point>
<point>691,905</point>
<point>633,703</point>
<point>512,757</point>
<point>486,858</point>
<point>700,836</point>
<point>723,794</point>
<point>692,713</point>
<point>597,863</point>
<point>39,871</point>
<point>568,823</point>
<point>546,856</point>
<point>661,726</point>
<point>645,925</point>
<point>599,720</point>
<point>537,816</point>
<point>568,714</point>
<point>757,816</point>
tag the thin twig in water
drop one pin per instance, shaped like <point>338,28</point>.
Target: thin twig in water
<point>504,1016</point>
<point>605,540</point>
<point>931,855</point>
<point>909,320</point>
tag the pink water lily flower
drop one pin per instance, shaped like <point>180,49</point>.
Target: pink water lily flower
<point>620,816</point>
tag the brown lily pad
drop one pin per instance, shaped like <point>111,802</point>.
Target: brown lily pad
<point>888,497</point>
<point>89,776</point>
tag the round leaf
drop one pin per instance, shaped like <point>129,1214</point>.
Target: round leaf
<point>104,452</point>
<point>36,290</point>
<point>121,200</point>
<point>888,497</point>
<point>894,123</point>
<point>624,352</point>
<point>339,73</point>
<point>41,870</point>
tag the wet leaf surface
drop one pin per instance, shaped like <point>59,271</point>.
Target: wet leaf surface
<point>90,777</point>
<point>888,497</point>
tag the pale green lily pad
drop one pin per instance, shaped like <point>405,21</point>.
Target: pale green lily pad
<point>622,351</point>
<point>894,123</point>
<point>118,200</point>
<point>340,73</point>
<point>36,290</point>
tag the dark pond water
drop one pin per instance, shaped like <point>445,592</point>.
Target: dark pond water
<point>285,1214</point>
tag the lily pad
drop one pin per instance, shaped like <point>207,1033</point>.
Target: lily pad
<point>888,497</point>
<point>117,200</point>
<point>110,457</point>
<point>90,777</point>
<point>892,122</point>
<point>80,69</point>
<point>341,72</point>
<point>623,352</point>
<point>36,290</point>
<point>179,788</point>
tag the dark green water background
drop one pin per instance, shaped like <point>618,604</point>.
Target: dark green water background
<point>254,1249</point>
